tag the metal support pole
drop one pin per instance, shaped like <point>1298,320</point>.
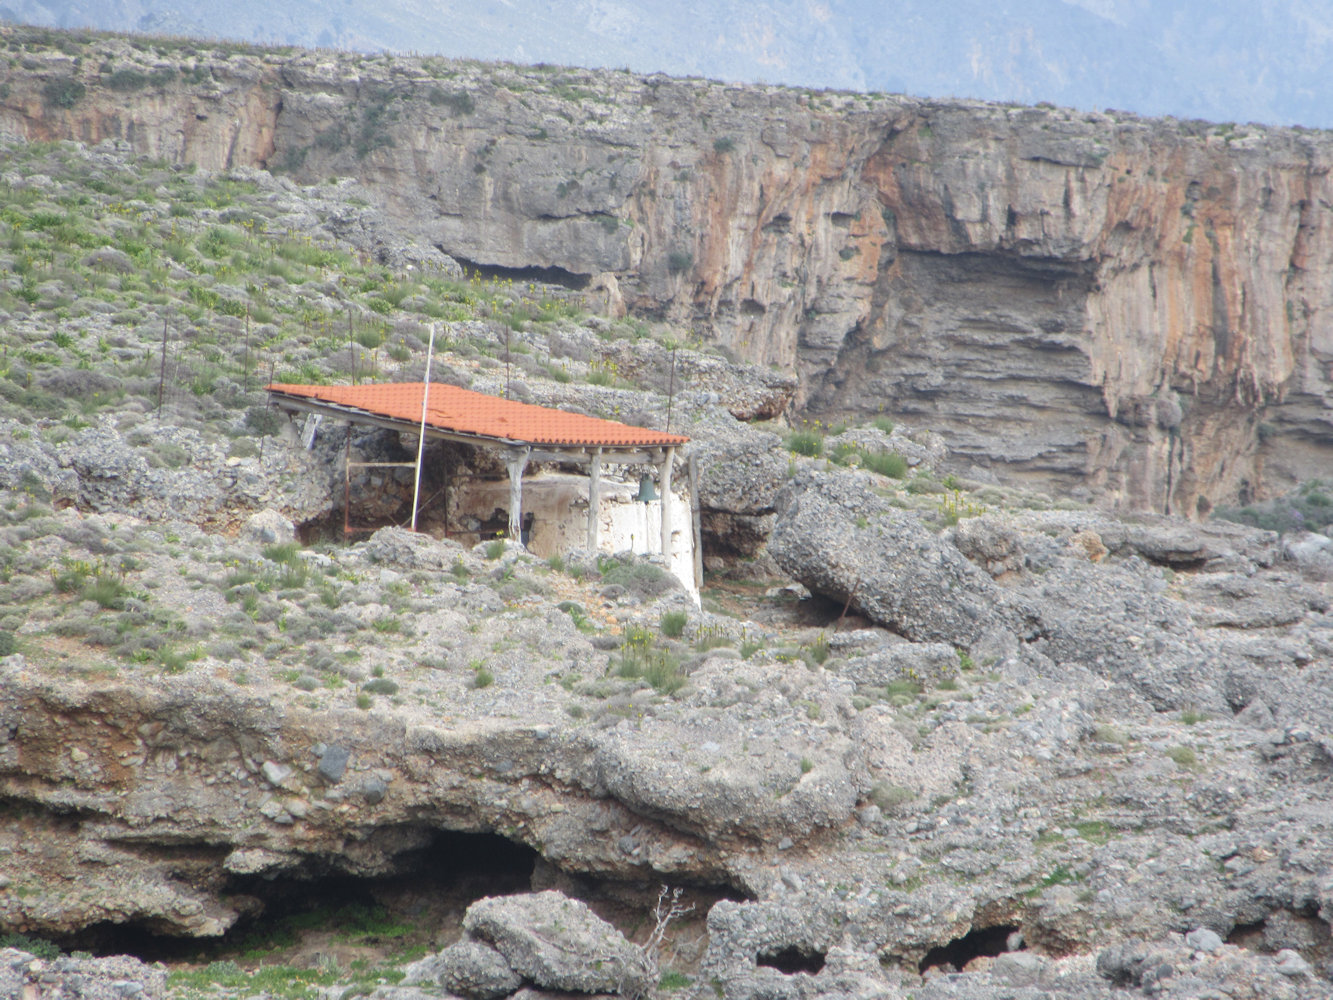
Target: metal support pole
<point>421,440</point>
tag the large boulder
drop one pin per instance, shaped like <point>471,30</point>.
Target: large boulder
<point>466,968</point>
<point>836,536</point>
<point>559,944</point>
<point>410,550</point>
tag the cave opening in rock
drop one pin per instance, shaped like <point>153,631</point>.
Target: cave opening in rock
<point>790,961</point>
<point>429,889</point>
<point>542,275</point>
<point>982,941</point>
<point>1249,936</point>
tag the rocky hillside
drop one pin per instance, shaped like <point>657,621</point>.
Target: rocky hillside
<point>1135,309</point>
<point>927,737</point>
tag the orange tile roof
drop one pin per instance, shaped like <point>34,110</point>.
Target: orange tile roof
<point>461,411</point>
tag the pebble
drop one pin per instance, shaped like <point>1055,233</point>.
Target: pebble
<point>333,763</point>
<point>1203,939</point>
<point>1291,964</point>
<point>274,773</point>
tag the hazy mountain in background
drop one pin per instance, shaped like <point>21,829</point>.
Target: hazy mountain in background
<point>1223,60</point>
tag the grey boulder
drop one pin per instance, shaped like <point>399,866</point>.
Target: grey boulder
<point>836,536</point>
<point>558,943</point>
<point>466,968</point>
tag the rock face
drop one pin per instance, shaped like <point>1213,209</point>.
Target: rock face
<point>1139,308</point>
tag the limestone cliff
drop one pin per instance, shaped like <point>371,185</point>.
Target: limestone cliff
<point>1136,308</point>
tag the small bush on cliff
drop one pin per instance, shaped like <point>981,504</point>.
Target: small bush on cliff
<point>886,463</point>
<point>459,102</point>
<point>63,93</point>
<point>1308,509</point>
<point>33,946</point>
<point>673,624</point>
<point>809,443</point>
<point>643,579</point>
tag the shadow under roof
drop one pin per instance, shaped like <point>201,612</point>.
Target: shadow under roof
<point>462,413</point>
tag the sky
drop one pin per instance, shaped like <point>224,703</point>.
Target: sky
<point>1268,61</point>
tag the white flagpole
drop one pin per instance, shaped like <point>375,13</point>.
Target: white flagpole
<point>421,441</point>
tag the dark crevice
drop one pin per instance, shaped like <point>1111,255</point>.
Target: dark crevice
<point>1249,936</point>
<point>452,871</point>
<point>790,961</point>
<point>952,957</point>
<point>542,275</point>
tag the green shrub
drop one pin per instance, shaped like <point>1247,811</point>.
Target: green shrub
<point>459,102</point>
<point>283,552</point>
<point>807,442</point>
<point>263,420</point>
<point>495,548</point>
<point>641,578</point>
<point>1184,757</point>
<point>679,261</point>
<point>664,674</point>
<point>673,980</point>
<point>64,92</point>
<point>1309,508</point>
<point>673,624</point>
<point>481,677</point>
<point>38,947</point>
<point>380,685</point>
<point>889,797</point>
<point>106,591</point>
<point>885,463</point>
<point>819,650</point>
<point>9,643</point>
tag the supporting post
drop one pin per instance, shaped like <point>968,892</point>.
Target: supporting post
<point>697,525</point>
<point>516,462</point>
<point>421,439</point>
<point>665,476</point>
<point>594,498</point>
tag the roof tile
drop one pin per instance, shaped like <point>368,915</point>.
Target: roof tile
<point>462,411</point>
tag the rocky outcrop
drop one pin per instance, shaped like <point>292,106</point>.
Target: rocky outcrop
<point>1117,754</point>
<point>1139,309</point>
<point>835,536</point>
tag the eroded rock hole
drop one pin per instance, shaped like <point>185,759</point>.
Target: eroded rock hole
<point>421,901</point>
<point>1302,930</point>
<point>823,611</point>
<point>954,956</point>
<point>790,961</point>
<point>1249,936</point>
<point>542,275</point>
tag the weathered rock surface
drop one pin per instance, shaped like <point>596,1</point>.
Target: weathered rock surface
<point>466,968</point>
<point>894,571</point>
<point>1096,756</point>
<point>1081,299</point>
<point>558,943</point>
<point>1117,773</point>
<point>120,978</point>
